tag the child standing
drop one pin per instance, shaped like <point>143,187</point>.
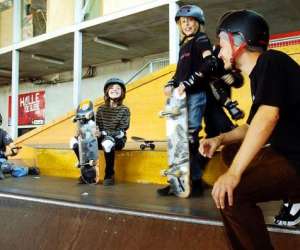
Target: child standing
<point>195,66</point>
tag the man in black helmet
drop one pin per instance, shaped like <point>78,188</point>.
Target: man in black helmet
<point>266,165</point>
<point>8,148</point>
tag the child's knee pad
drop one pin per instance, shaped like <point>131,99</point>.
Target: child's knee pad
<point>108,143</point>
<point>73,142</point>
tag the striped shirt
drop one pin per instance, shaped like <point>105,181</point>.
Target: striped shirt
<point>113,119</point>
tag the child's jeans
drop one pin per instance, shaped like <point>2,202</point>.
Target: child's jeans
<point>9,168</point>
<point>196,103</point>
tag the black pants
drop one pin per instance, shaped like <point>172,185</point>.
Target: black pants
<point>109,157</point>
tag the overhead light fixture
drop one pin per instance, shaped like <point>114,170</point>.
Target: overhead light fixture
<point>48,59</point>
<point>5,71</point>
<point>110,43</point>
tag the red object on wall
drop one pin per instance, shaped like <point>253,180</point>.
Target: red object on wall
<point>31,108</point>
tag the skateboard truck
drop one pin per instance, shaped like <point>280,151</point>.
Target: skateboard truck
<point>170,113</point>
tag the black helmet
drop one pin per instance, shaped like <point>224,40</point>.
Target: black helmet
<point>112,81</point>
<point>191,11</point>
<point>0,119</point>
<point>250,24</point>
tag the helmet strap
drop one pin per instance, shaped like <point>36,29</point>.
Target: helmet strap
<point>235,53</point>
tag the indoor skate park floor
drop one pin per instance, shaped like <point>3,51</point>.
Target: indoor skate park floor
<point>138,199</point>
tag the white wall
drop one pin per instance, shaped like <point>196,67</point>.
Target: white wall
<point>110,6</point>
<point>59,96</point>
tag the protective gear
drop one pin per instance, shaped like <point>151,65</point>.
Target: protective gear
<point>113,81</point>
<point>84,112</point>
<point>208,68</point>
<point>0,119</point>
<point>223,98</point>
<point>120,135</point>
<point>209,65</point>
<point>108,143</point>
<point>73,142</point>
<point>247,23</point>
<point>103,132</point>
<point>191,11</point>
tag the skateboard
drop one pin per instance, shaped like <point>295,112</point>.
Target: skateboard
<point>87,141</point>
<point>145,143</point>
<point>178,171</point>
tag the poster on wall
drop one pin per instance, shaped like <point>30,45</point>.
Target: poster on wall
<point>31,107</point>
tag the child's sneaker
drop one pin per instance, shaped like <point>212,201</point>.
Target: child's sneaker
<point>109,181</point>
<point>289,215</point>
<point>33,171</point>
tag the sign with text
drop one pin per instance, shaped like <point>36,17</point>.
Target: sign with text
<point>31,107</point>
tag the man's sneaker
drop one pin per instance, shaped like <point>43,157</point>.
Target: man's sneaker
<point>109,181</point>
<point>289,215</point>
<point>166,191</point>
<point>33,171</point>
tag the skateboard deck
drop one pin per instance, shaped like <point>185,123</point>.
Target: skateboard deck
<point>145,143</point>
<point>87,142</point>
<point>178,171</point>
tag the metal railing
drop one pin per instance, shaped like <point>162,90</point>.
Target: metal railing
<point>150,67</point>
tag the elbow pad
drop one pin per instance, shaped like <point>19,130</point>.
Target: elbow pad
<point>209,65</point>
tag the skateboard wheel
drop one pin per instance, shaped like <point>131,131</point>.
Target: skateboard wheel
<point>163,172</point>
<point>152,146</point>
<point>142,146</point>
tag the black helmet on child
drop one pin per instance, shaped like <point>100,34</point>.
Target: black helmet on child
<point>0,119</point>
<point>113,81</point>
<point>251,25</point>
<point>191,11</point>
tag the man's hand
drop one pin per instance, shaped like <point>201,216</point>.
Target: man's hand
<point>225,185</point>
<point>208,146</point>
<point>168,90</point>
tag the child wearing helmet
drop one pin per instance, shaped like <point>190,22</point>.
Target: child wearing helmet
<point>8,148</point>
<point>112,119</point>
<point>265,165</point>
<point>196,65</point>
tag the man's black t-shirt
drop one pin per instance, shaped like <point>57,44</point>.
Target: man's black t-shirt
<point>190,60</point>
<point>275,81</point>
<point>5,140</point>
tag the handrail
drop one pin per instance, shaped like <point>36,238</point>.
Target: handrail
<point>148,64</point>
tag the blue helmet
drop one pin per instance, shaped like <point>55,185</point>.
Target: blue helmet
<point>191,11</point>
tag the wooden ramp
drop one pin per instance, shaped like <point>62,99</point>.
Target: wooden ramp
<point>56,213</point>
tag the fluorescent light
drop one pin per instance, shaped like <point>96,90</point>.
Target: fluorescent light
<point>48,59</point>
<point>5,71</point>
<point>110,43</point>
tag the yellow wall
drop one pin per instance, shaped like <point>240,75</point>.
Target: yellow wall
<point>60,14</point>
<point>6,27</point>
